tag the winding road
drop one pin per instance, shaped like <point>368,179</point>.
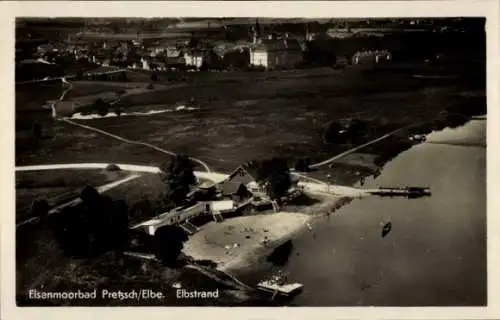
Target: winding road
<point>70,76</point>
<point>345,153</point>
<point>170,153</point>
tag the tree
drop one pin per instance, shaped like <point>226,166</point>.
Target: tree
<point>356,131</point>
<point>333,132</point>
<point>89,194</point>
<point>274,174</point>
<point>94,226</point>
<point>101,107</point>
<point>118,111</point>
<point>79,74</point>
<point>168,244</point>
<point>141,210</point>
<point>178,176</point>
<point>303,164</point>
<point>37,130</point>
<point>154,77</point>
<point>123,76</point>
<point>40,208</point>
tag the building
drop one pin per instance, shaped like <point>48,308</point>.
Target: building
<point>145,64</point>
<point>46,48</point>
<point>276,53</point>
<point>176,63</point>
<point>232,55</point>
<point>172,52</point>
<point>194,58</point>
<point>371,56</point>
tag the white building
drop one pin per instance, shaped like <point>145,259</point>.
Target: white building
<point>145,64</point>
<point>276,54</point>
<point>180,216</point>
<point>194,58</point>
<point>371,56</point>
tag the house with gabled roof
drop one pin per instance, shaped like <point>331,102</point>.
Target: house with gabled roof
<point>274,54</point>
<point>240,176</point>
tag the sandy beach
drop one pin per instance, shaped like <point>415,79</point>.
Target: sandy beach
<point>234,243</point>
<point>240,244</point>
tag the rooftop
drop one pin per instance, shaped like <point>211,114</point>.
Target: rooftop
<point>278,45</point>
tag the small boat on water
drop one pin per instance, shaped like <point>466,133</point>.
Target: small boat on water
<point>386,229</point>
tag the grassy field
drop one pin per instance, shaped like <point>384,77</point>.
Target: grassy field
<point>264,114</point>
<point>84,88</point>
<point>285,115</point>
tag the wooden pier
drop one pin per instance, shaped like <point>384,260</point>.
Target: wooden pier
<point>405,191</point>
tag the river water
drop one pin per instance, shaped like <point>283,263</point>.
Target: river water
<point>435,254</point>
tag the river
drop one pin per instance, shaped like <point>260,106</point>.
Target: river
<point>435,254</point>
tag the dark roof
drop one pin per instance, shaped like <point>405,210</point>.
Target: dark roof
<point>195,51</point>
<point>278,45</point>
<point>175,60</point>
<point>158,63</point>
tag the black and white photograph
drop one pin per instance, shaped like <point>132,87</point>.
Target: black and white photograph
<point>251,161</point>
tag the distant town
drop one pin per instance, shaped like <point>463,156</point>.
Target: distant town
<point>222,45</point>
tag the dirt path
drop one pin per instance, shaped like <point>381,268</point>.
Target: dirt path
<point>212,176</point>
<point>69,76</point>
<point>200,162</point>
<point>345,153</point>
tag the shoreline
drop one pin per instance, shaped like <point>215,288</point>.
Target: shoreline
<point>254,255</point>
<point>274,229</point>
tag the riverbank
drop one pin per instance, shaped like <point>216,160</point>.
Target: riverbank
<point>240,245</point>
<point>435,253</point>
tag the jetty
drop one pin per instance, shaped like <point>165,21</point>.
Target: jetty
<point>411,192</point>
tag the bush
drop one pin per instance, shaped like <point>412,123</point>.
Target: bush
<point>37,130</point>
<point>332,133</point>
<point>40,208</point>
<point>118,111</point>
<point>302,165</point>
<point>101,107</point>
<point>90,195</point>
<point>168,244</point>
<point>123,76</point>
<point>256,68</point>
<point>141,210</point>
<point>112,167</point>
<point>275,174</point>
<point>150,86</point>
<point>79,75</point>
<point>178,176</point>
<point>96,225</point>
